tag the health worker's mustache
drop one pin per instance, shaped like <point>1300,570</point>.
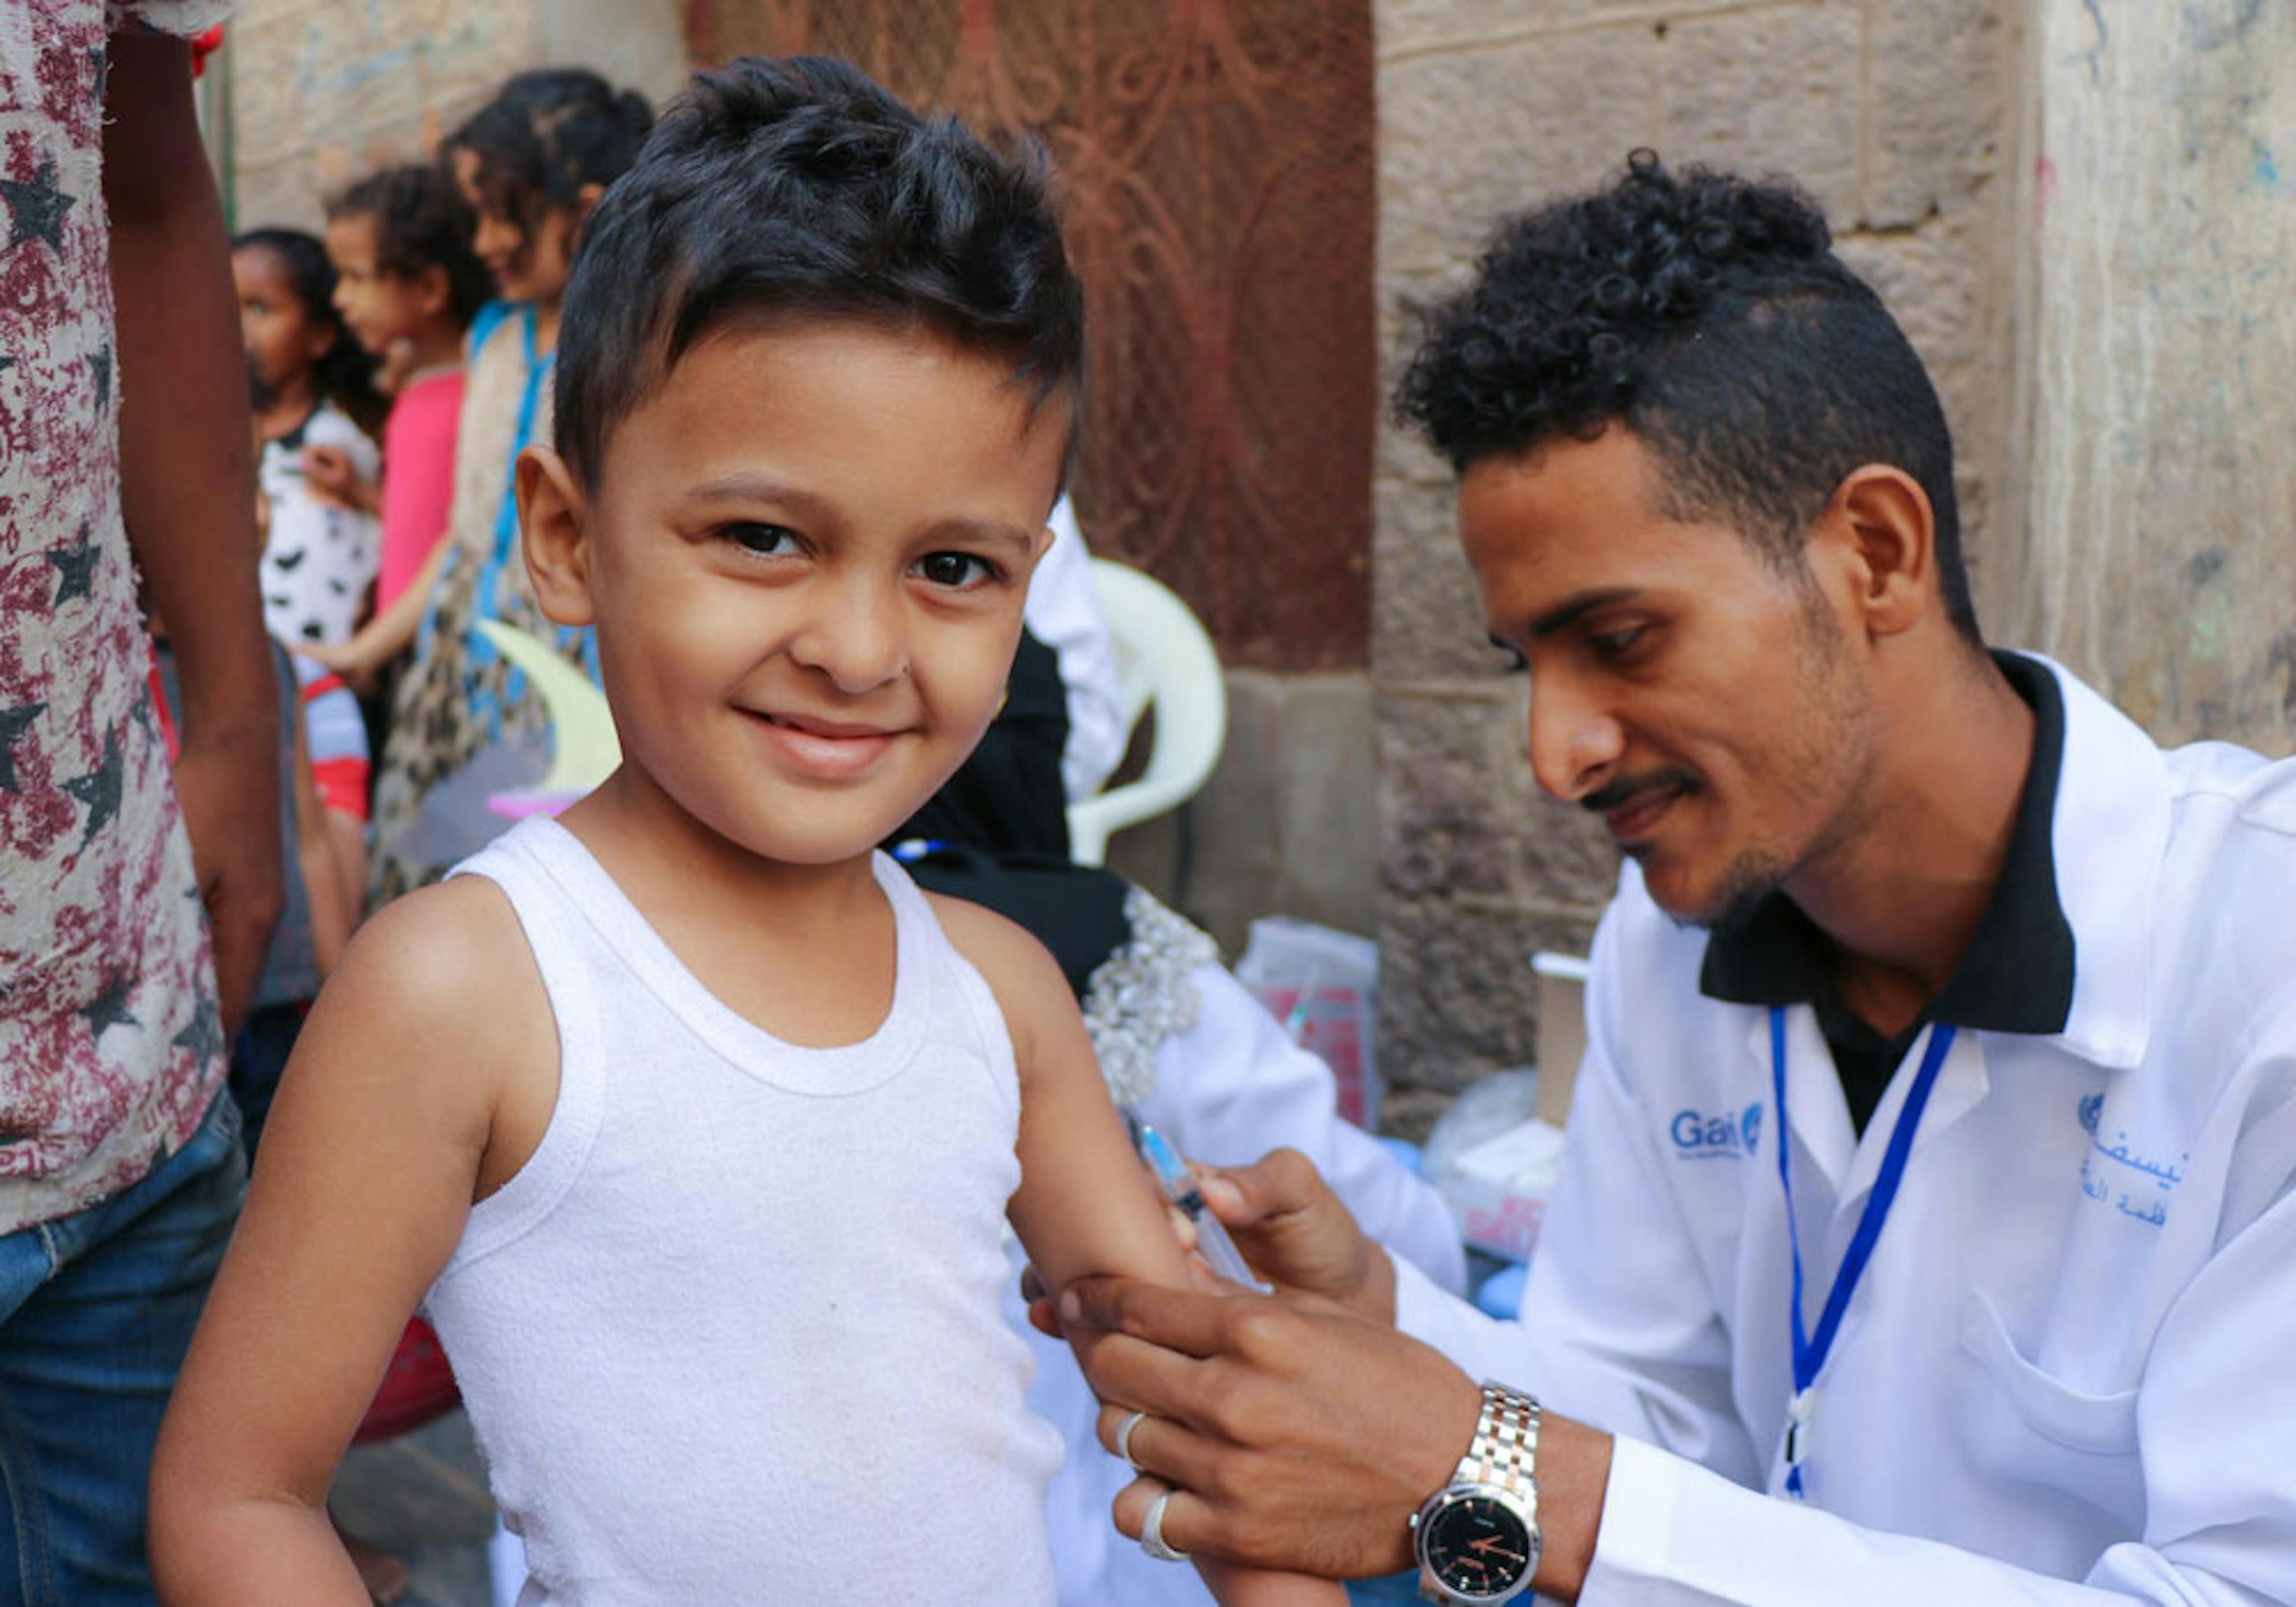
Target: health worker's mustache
<point>1627,789</point>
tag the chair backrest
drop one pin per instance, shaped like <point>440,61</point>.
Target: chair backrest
<point>585,749</point>
<point>1166,662</point>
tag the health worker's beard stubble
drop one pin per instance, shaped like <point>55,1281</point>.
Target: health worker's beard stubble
<point>1829,753</point>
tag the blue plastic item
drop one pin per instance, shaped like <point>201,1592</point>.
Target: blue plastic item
<point>1501,1295</point>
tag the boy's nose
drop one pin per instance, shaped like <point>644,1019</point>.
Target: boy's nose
<point>855,638</point>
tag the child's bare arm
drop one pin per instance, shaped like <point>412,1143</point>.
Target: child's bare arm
<point>385,637</point>
<point>373,1151</point>
<point>1085,1204</point>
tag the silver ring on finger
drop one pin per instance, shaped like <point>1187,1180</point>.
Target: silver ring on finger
<point>1124,1437</point>
<point>1152,1533</point>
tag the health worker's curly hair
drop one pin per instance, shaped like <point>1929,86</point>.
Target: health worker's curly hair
<point>1708,314</point>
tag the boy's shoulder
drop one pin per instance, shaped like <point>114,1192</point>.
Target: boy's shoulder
<point>1017,966</point>
<point>997,944</point>
<point>450,960</point>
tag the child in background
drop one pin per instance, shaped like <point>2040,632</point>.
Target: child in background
<point>531,163</point>
<point>315,406</point>
<point>697,1121</point>
<point>407,285</point>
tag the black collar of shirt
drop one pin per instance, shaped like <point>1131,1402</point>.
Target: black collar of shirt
<point>2017,974</point>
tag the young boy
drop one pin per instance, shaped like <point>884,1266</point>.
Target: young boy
<point>695,1117</point>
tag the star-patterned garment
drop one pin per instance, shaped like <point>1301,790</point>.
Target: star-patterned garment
<point>110,1046</point>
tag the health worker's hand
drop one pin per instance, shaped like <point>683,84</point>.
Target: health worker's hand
<point>1297,1233</point>
<point>1295,1435</point>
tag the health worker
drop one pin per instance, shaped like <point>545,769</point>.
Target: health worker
<point>1928,1233</point>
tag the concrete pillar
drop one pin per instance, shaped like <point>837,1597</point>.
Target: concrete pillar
<point>2158,552</point>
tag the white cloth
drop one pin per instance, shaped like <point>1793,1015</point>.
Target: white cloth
<point>318,559</point>
<point>2066,1376</point>
<point>1062,611</point>
<point>732,1333</point>
<point>1228,1089</point>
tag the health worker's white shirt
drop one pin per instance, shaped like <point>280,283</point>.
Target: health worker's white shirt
<point>2069,1374</point>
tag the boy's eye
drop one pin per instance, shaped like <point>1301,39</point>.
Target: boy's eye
<point>956,570</point>
<point>1615,643</point>
<point>1516,664</point>
<point>764,540</point>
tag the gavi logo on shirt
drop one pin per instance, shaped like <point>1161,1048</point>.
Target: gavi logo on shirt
<point>1699,1136</point>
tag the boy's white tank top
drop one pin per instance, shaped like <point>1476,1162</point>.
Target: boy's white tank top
<point>733,1334</point>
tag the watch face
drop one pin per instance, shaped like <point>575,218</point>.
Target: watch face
<point>1477,1547</point>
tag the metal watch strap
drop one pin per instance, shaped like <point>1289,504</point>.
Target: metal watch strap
<point>1503,1455</point>
<point>1505,1448</point>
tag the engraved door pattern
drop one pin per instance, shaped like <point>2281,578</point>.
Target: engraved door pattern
<point>1217,173</point>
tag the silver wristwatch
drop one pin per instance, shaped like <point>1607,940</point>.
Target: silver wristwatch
<point>1477,1537</point>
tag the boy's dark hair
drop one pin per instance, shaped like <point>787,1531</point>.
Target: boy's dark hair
<point>421,222</point>
<point>1710,316</point>
<point>798,186</point>
<point>345,376</point>
<point>545,134</point>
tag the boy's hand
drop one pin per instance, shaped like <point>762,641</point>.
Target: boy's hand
<point>328,472</point>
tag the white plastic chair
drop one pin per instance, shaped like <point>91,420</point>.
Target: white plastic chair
<point>1167,663</point>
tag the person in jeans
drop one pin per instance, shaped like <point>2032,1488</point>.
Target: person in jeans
<point>120,1170</point>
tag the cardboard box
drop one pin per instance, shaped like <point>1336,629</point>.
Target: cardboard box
<point>1498,1190</point>
<point>1561,1030</point>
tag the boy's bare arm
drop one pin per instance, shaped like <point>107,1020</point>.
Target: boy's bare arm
<point>370,1160</point>
<point>187,490</point>
<point>1085,1204</point>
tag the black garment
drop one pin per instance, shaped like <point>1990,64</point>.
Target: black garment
<point>2016,976</point>
<point>997,834</point>
<point>1075,910</point>
<point>1008,797</point>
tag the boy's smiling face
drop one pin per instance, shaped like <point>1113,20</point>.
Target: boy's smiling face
<point>806,557</point>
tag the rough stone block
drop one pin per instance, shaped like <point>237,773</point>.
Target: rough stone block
<point>1945,283</point>
<point>1408,27</point>
<point>1441,833</point>
<point>278,192</point>
<point>1469,135</point>
<point>1328,819</point>
<point>1458,997</point>
<point>1770,90</point>
<point>1425,621</point>
<point>1563,857</point>
<point>1288,824</point>
<point>1939,74</point>
<point>640,44</point>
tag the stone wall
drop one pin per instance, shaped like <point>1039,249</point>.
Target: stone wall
<point>1899,116</point>
<point>323,92</point>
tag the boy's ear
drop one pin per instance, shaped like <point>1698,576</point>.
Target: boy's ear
<point>554,521</point>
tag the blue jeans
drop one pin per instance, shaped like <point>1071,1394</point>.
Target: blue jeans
<point>96,1310</point>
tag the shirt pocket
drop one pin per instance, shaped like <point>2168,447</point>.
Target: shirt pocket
<point>2023,1425</point>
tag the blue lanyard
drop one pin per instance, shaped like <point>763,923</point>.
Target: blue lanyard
<point>1810,1351</point>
